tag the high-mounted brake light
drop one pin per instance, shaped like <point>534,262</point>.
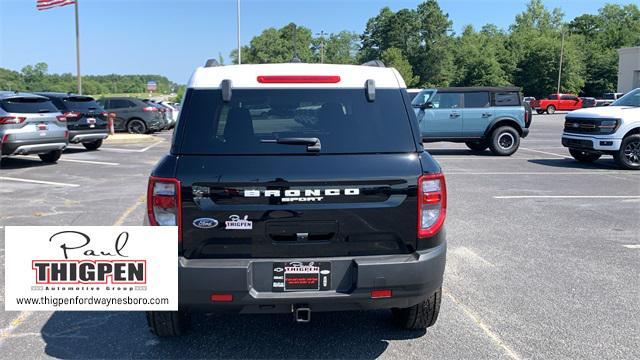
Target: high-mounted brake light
<point>6,120</point>
<point>432,204</point>
<point>298,79</point>
<point>164,203</point>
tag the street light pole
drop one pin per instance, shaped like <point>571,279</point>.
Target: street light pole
<point>561,55</point>
<point>78,51</point>
<point>321,34</point>
<point>238,28</point>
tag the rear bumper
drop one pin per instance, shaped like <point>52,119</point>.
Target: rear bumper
<point>87,136</point>
<point>411,278</point>
<point>26,147</point>
<point>525,132</point>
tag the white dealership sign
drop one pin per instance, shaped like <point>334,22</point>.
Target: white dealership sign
<point>91,268</point>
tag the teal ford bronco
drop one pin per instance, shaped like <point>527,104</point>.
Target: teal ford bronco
<point>481,117</point>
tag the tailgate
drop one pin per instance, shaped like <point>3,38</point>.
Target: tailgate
<point>298,206</point>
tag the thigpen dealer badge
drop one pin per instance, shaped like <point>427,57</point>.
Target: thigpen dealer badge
<point>91,268</point>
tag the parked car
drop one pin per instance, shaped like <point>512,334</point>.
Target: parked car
<point>279,217</point>
<point>588,102</point>
<point>172,113</point>
<point>166,121</point>
<point>481,117</point>
<point>86,119</point>
<point>133,115</point>
<point>528,99</point>
<point>31,124</point>
<point>611,130</point>
<point>608,98</point>
<point>554,102</point>
<point>413,92</point>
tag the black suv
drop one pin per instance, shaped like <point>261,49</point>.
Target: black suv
<point>301,193</point>
<point>86,119</point>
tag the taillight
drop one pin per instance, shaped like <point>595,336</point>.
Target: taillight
<point>526,117</point>
<point>61,118</point>
<point>298,79</point>
<point>149,109</point>
<point>112,115</point>
<point>163,202</point>
<point>5,120</point>
<point>432,204</point>
<point>66,134</point>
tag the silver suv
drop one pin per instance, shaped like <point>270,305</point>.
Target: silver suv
<point>31,124</point>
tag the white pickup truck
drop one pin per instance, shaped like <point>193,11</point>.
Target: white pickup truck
<point>612,130</point>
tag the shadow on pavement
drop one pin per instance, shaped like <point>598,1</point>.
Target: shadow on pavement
<point>125,335</point>
<point>19,162</point>
<point>468,152</point>
<point>601,164</point>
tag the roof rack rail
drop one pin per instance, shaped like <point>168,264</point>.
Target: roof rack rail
<point>376,63</point>
<point>211,63</point>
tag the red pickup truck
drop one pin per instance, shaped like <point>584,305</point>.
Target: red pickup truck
<point>553,102</point>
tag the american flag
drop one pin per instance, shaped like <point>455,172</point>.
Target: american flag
<point>48,4</point>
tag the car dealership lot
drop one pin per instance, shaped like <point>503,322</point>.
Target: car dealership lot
<point>542,263</point>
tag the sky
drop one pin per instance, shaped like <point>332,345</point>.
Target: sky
<point>171,38</point>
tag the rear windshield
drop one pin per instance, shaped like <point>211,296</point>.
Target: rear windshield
<point>27,105</point>
<point>342,119</point>
<point>81,103</point>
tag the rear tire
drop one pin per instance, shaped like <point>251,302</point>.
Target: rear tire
<point>94,145</point>
<point>551,109</point>
<point>137,126</point>
<point>540,112</point>
<point>419,316</point>
<point>168,323</point>
<point>477,145</point>
<point>628,157</point>
<point>584,156</point>
<point>504,141</point>
<point>51,156</point>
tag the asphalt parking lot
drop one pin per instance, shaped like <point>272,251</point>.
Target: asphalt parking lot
<point>542,263</point>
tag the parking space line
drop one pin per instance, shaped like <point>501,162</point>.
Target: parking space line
<point>633,246</point>
<point>6,332</point>
<point>478,321</point>
<point>82,161</point>
<point>129,210</point>
<point>568,197</point>
<point>545,152</point>
<point>42,182</point>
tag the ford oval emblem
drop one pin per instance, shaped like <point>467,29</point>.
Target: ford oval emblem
<point>205,223</point>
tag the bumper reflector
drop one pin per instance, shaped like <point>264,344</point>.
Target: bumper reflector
<point>222,297</point>
<point>381,294</point>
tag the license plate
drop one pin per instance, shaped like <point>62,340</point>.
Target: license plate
<point>91,121</point>
<point>301,276</point>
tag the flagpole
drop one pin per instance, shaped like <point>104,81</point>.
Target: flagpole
<point>78,50</point>
<point>238,31</point>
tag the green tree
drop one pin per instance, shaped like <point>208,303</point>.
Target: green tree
<point>476,60</point>
<point>339,48</point>
<point>392,57</point>
<point>277,46</point>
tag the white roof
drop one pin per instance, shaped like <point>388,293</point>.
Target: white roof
<point>246,76</point>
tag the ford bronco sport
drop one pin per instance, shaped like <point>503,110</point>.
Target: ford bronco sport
<point>481,117</point>
<point>300,188</point>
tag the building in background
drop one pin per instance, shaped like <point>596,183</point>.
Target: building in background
<point>628,69</point>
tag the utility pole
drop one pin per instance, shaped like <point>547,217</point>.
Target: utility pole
<point>296,58</point>
<point>561,55</point>
<point>238,30</point>
<point>78,51</point>
<point>321,34</point>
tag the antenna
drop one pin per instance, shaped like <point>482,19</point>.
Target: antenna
<point>321,34</point>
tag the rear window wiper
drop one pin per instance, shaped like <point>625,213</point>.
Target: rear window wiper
<point>313,144</point>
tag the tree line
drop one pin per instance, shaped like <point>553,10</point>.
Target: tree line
<point>36,78</point>
<point>422,46</point>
